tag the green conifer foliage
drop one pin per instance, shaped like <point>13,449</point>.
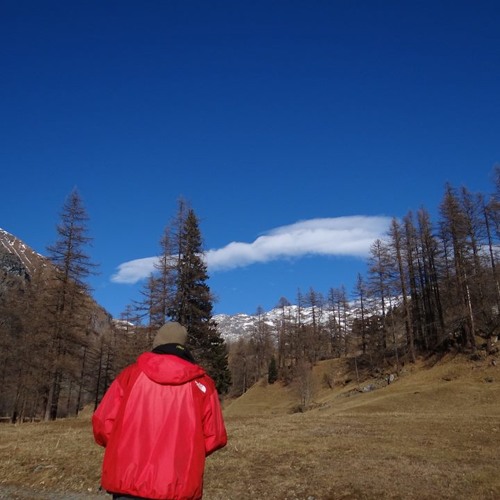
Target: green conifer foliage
<point>192,305</point>
<point>272,374</point>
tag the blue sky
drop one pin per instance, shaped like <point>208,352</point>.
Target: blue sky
<point>296,129</point>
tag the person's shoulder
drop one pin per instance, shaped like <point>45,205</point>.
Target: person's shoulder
<point>127,373</point>
<point>208,381</point>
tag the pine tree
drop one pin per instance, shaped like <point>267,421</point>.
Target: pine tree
<point>272,374</point>
<point>192,304</point>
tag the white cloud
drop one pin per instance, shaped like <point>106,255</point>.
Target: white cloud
<point>334,236</point>
<point>134,270</point>
<point>347,236</point>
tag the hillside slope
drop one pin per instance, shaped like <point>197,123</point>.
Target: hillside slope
<point>453,382</point>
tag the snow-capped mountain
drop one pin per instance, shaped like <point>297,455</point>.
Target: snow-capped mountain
<point>234,327</point>
<point>17,258</point>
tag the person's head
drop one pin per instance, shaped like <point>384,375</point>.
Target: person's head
<point>170,333</point>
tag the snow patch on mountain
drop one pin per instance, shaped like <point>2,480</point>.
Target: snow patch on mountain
<point>234,327</point>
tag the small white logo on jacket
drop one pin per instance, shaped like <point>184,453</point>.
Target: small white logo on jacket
<point>200,386</point>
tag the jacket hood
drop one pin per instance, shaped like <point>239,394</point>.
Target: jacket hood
<point>168,369</point>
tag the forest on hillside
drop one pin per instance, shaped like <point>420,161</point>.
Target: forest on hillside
<point>431,286</point>
<point>61,350</point>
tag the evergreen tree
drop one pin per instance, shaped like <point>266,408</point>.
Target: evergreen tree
<point>272,374</point>
<point>192,304</point>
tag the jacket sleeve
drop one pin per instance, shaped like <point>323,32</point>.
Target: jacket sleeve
<point>214,429</point>
<point>104,417</point>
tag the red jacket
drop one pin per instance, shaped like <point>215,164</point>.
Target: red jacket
<point>159,419</point>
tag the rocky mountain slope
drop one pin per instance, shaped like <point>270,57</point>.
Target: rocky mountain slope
<point>16,257</point>
<point>17,261</point>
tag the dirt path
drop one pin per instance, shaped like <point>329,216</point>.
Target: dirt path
<point>19,493</point>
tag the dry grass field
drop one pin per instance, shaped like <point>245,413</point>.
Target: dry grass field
<point>432,433</point>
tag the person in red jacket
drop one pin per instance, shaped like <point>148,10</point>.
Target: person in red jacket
<point>158,421</point>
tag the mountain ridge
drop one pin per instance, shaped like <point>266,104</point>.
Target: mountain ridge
<point>237,326</point>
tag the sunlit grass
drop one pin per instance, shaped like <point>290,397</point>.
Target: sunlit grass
<point>435,433</point>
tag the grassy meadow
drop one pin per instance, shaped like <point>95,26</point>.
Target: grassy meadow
<point>432,433</point>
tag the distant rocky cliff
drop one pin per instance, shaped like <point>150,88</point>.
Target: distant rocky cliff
<point>17,261</point>
<point>11,265</point>
<point>17,258</point>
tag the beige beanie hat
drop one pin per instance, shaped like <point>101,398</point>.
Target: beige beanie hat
<point>170,333</point>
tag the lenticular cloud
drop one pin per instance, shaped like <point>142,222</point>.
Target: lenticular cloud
<point>341,236</point>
